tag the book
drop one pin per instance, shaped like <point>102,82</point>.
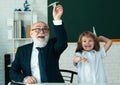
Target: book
<point>28,31</point>
<point>17,28</point>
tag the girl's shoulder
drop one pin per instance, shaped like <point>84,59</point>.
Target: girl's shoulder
<point>102,52</point>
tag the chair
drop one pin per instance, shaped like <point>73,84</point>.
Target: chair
<point>68,75</point>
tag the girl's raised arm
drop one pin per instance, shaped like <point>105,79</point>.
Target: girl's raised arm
<point>107,41</point>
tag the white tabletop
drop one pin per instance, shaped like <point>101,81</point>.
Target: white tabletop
<point>66,84</point>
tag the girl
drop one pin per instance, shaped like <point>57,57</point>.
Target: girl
<point>88,58</point>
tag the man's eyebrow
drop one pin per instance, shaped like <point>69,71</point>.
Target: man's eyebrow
<point>41,26</point>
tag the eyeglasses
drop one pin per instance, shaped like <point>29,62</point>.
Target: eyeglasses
<point>45,30</point>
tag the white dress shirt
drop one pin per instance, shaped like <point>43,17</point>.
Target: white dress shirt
<point>34,57</point>
<point>35,64</point>
<point>93,70</point>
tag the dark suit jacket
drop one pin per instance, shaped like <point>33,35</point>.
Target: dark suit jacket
<point>21,65</point>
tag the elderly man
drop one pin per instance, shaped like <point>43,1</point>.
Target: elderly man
<point>38,62</point>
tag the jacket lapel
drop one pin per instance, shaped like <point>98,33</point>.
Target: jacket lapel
<point>28,54</point>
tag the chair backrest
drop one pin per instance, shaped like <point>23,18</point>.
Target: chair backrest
<point>68,75</point>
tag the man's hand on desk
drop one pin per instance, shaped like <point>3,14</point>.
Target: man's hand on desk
<point>30,80</point>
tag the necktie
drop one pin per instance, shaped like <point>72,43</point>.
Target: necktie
<point>41,59</point>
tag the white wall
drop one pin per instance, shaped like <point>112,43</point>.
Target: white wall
<point>111,62</point>
<point>6,12</point>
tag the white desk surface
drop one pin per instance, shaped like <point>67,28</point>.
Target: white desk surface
<point>66,84</point>
<point>73,84</point>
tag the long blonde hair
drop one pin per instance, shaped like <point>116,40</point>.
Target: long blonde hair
<point>87,34</point>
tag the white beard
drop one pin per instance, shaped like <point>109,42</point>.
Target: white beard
<point>41,43</point>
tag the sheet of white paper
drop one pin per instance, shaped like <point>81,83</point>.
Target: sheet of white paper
<point>53,4</point>
<point>94,32</point>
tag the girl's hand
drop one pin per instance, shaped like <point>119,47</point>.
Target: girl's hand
<point>76,59</point>
<point>82,59</point>
<point>79,59</point>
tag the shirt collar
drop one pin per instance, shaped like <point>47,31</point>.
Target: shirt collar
<point>92,51</point>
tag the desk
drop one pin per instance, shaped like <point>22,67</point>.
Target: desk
<point>68,84</point>
<point>73,84</point>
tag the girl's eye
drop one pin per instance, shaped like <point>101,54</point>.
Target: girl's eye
<point>84,41</point>
<point>91,40</point>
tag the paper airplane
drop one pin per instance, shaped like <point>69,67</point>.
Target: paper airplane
<point>94,32</point>
<point>53,4</point>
